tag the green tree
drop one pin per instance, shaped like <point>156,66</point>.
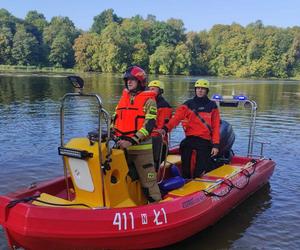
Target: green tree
<point>176,30</point>
<point>136,33</point>
<point>182,60</point>
<point>198,46</point>
<point>114,52</point>
<point>7,21</point>
<point>7,31</point>
<point>36,22</point>
<point>132,29</point>
<point>6,39</point>
<point>228,49</point>
<point>59,36</point>
<point>25,47</point>
<point>36,19</point>
<point>102,20</point>
<point>60,26</point>
<point>293,57</point>
<point>140,55</point>
<point>165,33</point>
<point>161,46</point>
<point>255,50</point>
<point>215,55</point>
<point>85,48</point>
<point>162,61</point>
<point>62,54</point>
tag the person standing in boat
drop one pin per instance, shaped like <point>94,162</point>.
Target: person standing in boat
<point>134,120</point>
<point>200,119</point>
<point>164,113</point>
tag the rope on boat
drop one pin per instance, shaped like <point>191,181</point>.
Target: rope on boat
<point>165,160</point>
<point>63,205</point>
<point>230,184</point>
<point>247,175</point>
<point>210,194</point>
<point>13,203</point>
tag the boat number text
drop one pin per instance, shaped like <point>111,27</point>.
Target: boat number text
<point>125,221</point>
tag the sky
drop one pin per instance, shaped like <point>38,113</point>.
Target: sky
<point>197,15</point>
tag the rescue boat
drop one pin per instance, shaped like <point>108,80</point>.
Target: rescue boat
<point>98,205</point>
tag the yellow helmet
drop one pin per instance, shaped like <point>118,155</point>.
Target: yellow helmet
<point>202,83</point>
<point>156,83</point>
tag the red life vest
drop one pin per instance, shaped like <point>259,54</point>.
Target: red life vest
<point>130,113</point>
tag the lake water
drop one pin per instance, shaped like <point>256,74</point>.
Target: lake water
<point>270,219</point>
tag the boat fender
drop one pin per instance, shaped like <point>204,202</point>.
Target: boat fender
<point>172,183</point>
<point>174,170</point>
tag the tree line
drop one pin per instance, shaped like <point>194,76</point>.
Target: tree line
<point>161,47</point>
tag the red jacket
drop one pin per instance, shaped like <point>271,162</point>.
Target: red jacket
<point>192,125</point>
<point>164,114</point>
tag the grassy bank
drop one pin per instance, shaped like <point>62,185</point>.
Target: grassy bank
<point>33,69</point>
<point>36,69</point>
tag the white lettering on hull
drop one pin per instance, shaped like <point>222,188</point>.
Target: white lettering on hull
<point>125,221</point>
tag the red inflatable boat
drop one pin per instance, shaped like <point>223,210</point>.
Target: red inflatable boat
<point>96,205</point>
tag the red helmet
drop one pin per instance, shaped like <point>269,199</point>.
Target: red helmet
<point>136,73</point>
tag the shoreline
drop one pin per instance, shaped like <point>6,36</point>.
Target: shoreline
<point>33,69</point>
<point>37,70</point>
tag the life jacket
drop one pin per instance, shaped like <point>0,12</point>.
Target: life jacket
<point>130,113</point>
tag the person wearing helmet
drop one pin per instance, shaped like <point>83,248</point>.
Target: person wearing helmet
<point>200,119</point>
<point>134,120</point>
<point>164,113</point>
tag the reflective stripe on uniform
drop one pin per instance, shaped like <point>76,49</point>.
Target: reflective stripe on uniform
<point>153,108</point>
<point>149,116</point>
<point>144,132</point>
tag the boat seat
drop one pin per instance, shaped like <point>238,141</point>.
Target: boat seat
<point>191,187</point>
<point>55,200</point>
<point>225,171</point>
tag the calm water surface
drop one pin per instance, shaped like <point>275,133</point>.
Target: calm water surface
<point>29,125</point>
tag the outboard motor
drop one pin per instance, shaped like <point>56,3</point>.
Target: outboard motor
<point>227,138</point>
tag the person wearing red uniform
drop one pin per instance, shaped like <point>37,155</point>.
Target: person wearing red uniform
<point>134,120</point>
<point>164,113</point>
<point>200,119</point>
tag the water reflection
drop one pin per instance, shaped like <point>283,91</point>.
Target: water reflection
<point>269,94</point>
<point>32,89</point>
